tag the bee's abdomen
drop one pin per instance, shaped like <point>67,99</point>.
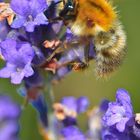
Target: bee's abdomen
<point>106,64</point>
<point>109,57</point>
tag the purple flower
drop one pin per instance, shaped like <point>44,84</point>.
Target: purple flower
<point>69,35</point>
<point>61,72</point>
<point>112,134</point>
<point>73,55</point>
<point>9,115</point>
<point>18,57</point>
<point>79,105</point>
<point>95,120</point>
<point>69,108</point>
<point>72,133</point>
<point>4,29</point>
<point>136,130</point>
<point>120,112</point>
<point>29,13</point>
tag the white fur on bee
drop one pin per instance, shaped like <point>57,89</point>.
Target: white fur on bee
<point>80,29</point>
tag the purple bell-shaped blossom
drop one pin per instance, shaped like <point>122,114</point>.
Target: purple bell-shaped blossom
<point>119,113</point>
<point>18,57</point>
<point>29,13</point>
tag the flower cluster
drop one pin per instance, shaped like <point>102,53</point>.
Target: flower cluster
<point>30,43</point>
<point>65,117</point>
<point>67,112</point>
<point>119,121</point>
<point>112,120</point>
<point>38,51</point>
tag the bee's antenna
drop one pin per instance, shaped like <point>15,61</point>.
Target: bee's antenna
<point>64,2</point>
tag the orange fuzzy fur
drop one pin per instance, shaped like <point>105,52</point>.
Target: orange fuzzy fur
<point>100,12</point>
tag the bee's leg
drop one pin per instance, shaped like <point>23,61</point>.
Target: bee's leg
<point>56,19</point>
<point>70,17</point>
<point>59,18</point>
<point>61,48</point>
<point>63,2</point>
<point>68,7</point>
<point>85,63</point>
<point>87,54</point>
<point>55,3</point>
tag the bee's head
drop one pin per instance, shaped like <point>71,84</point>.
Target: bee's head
<point>68,8</point>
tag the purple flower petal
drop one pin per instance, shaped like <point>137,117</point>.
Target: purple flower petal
<point>30,26</point>
<point>119,112</point>
<point>21,7</point>
<point>18,22</point>
<point>29,12</point>
<point>114,119</point>
<point>18,56</point>
<point>37,6</point>
<point>9,131</point>
<point>121,125</point>
<point>28,71</point>
<point>7,71</point>
<point>27,52</point>
<point>17,77</point>
<point>62,72</point>
<point>123,98</point>
<point>82,104</point>
<point>41,19</point>
<point>72,133</point>
<point>8,49</point>
<point>9,115</point>
<point>70,103</point>
<point>4,29</point>
<point>122,95</point>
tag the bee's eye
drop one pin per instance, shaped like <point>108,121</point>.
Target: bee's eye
<point>70,7</point>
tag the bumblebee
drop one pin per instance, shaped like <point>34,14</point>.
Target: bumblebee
<point>98,21</point>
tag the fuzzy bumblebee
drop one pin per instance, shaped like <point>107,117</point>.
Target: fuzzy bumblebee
<point>97,19</point>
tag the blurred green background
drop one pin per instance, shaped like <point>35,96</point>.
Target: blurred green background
<point>85,83</point>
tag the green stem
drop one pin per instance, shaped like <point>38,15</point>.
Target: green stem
<point>49,97</point>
